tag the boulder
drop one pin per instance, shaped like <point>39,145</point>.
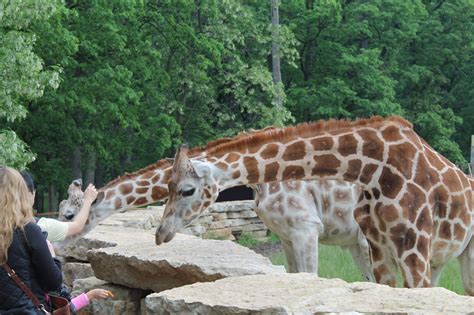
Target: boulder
<point>74,270</point>
<point>303,293</point>
<point>132,259</point>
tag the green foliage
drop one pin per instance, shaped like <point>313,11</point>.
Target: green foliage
<point>247,240</point>
<point>13,151</point>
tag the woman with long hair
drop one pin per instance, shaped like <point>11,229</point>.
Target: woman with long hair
<point>23,248</point>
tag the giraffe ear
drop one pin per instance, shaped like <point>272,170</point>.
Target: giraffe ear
<point>201,169</point>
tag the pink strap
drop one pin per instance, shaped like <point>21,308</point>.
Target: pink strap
<point>80,301</point>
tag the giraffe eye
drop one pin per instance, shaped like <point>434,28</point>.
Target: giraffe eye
<point>189,192</point>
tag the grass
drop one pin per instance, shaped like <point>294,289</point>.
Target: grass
<point>334,262</point>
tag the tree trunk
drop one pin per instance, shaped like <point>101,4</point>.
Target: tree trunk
<point>52,199</point>
<point>276,51</point>
<point>89,175</point>
<point>99,175</point>
<point>39,200</point>
<point>76,162</point>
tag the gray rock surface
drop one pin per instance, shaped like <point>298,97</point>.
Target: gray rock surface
<point>303,293</point>
<point>73,271</point>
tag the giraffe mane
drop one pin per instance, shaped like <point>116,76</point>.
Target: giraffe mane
<point>248,140</point>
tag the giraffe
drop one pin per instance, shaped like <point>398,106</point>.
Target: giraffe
<point>69,207</point>
<point>416,209</point>
<point>327,208</point>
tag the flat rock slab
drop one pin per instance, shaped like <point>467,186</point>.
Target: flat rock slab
<point>303,293</point>
<point>130,257</point>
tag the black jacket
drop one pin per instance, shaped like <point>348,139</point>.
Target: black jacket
<point>35,267</point>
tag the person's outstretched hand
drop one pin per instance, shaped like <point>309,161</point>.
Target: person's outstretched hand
<point>90,194</point>
<point>99,294</point>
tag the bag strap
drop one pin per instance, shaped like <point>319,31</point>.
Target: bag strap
<point>12,274</point>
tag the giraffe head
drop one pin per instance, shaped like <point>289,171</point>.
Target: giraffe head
<point>192,189</point>
<point>70,207</point>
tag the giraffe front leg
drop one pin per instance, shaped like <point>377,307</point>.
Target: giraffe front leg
<point>303,245</point>
<point>466,260</point>
<point>436,274</point>
<point>360,254</point>
<point>289,255</point>
<point>384,268</point>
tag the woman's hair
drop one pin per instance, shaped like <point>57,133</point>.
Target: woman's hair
<point>28,180</point>
<point>16,207</point>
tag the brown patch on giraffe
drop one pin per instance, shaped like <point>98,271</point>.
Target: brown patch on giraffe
<point>292,185</point>
<point>274,188</point>
<point>434,160</point>
<point>271,172</point>
<point>206,204</point>
<point>141,190</point>
<point>339,214</point>
<point>142,183</point>
<point>398,237</point>
<point>125,189</point>
<point>222,166</point>
<point>295,151</point>
<point>412,201</point>
<point>459,232</point>
<point>118,203</point>
<point>377,253</point>
<point>353,170</point>
<point>401,157</point>
<point>379,272</point>
<point>293,172</point>
<point>425,221</point>
<point>456,206</point>
<point>423,246</point>
<point>232,157</point>
<point>342,194</point>
<point>207,194</point>
<point>148,175</point>
<point>376,193</point>
<point>290,222</point>
<point>367,173</point>
<point>158,193</point>
<point>326,165</point>
<point>391,134</point>
<point>322,144</point>
<point>130,200</point>
<point>236,174</point>
<point>367,195</point>
<point>387,213</point>
<point>347,145</point>
<point>425,176</point>
<point>295,203</point>
<point>417,266</point>
<point>413,138</point>
<point>372,146</point>
<point>251,164</point>
<point>390,183</point>
<point>445,230</point>
<point>278,200</point>
<point>410,240</point>
<point>450,179</point>
<point>156,179</point>
<point>110,194</point>
<point>141,201</point>
<point>270,151</point>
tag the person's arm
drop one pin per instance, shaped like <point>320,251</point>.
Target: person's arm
<point>47,272</point>
<point>80,219</point>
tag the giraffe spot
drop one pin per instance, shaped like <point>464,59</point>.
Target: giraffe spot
<point>251,165</point>
<point>206,204</point>
<point>188,214</point>
<point>292,185</point>
<point>148,175</point>
<point>387,213</point>
<point>290,222</point>
<point>353,170</point>
<point>274,188</point>
<point>156,179</point>
<point>416,266</point>
<point>118,203</point>
<point>367,173</point>
<point>367,195</point>
<point>391,134</point>
<point>141,201</point>
<point>130,200</point>
<point>459,232</point>
<point>425,221</point>
<point>451,180</point>
<point>464,180</point>
<point>410,239</point>
<point>412,201</point>
<point>207,194</point>
<point>158,193</point>
<point>110,194</point>
<point>322,143</point>
<point>222,166</point>
<point>372,146</point>
<point>390,183</point>
<point>195,206</point>
<point>295,203</point>
<point>236,174</point>
<point>232,157</point>
<point>270,151</point>
<point>376,193</point>
<point>347,145</point>
<point>397,235</point>
<point>141,190</point>
<point>293,172</point>
<point>423,246</point>
<point>342,195</point>
<point>377,253</point>
<point>125,189</point>
<point>412,137</point>
<point>379,272</point>
<point>425,176</point>
<point>401,157</point>
<point>456,206</point>
<point>434,161</point>
<point>100,197</point>
<point>143,183</point>
<point>445,230</point>
<point>271,172</point>
<point>438,199</point>
<point>295,151</point>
